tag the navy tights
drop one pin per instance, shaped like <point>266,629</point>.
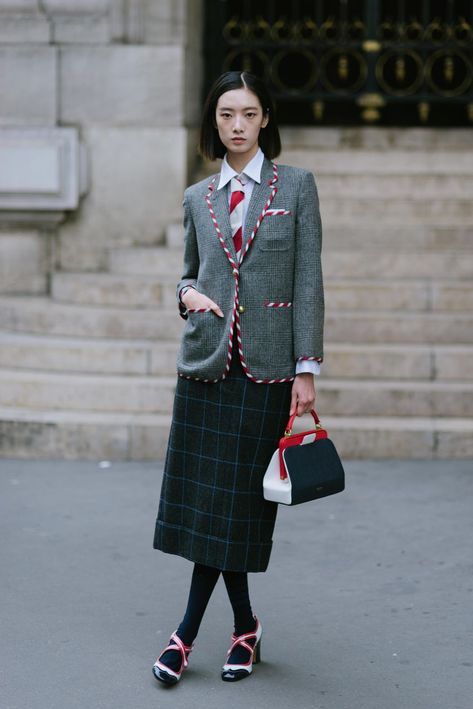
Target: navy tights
<point>204,579</point>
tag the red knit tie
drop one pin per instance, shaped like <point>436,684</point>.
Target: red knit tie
<point>236,213</point>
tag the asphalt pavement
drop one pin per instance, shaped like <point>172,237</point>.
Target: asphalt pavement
<point>366,604</point>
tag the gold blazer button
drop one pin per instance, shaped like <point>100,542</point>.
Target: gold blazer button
<point>241,309</point>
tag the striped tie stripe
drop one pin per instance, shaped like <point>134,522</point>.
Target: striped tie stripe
<point>236,213</point>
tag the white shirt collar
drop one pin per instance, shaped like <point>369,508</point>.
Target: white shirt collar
<point>251,169</point>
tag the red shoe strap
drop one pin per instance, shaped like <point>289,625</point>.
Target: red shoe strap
<point>180,647</point>
<point>241,640</point>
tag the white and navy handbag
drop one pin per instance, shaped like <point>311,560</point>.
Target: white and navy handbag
<point>306,466</point>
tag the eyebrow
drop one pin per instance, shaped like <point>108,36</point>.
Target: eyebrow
<point>247,108</point>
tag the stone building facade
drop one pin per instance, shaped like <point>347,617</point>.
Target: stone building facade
<point>98,102</point>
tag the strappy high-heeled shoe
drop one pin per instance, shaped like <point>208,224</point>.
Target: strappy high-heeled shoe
<point>232,672</point>
<point>164,673</point>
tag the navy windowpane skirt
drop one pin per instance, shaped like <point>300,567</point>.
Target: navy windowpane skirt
<point>222,436</point>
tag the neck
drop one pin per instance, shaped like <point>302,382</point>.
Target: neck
<point>238,161</point>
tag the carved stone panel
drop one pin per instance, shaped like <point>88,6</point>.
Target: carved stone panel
<point>41,170</point>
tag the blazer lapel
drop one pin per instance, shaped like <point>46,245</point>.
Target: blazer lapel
<point>222,214</point>
<point>258,199</point>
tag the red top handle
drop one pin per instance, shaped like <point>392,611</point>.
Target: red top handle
<point>290,423</point>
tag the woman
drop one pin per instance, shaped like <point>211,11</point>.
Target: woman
<point>252,297</point>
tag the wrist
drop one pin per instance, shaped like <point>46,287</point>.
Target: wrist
<point>183,291</point>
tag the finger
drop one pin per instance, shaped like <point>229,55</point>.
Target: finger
<point>293,403</point>
<point>214,307</point>
<point>304,405</point>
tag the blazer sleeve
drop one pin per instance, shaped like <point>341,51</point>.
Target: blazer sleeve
<point>191,256</point>
<point>308,299</point>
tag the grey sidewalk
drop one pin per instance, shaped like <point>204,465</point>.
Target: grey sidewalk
<point>367,602</point>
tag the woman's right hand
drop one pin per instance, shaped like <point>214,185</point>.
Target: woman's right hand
<point>194,300</point>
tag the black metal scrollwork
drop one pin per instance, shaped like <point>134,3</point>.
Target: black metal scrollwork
<point>383,60</point>
<point>399,73</point>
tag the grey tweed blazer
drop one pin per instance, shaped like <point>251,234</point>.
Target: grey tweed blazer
<point>282,266</point>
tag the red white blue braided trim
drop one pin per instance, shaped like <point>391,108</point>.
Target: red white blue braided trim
<point>277,304</point>
<point>217,228</point>
<point>277,212</point>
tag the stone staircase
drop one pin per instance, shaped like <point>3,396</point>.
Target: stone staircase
<point>89,370</point>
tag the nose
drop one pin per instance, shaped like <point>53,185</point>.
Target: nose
<point>237,127</point>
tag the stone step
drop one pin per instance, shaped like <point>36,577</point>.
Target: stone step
<point>112,289</point>
<point>397,186</point>
<point>86,392</point>
<point>378,264</point>
<point>395,238</point>
<point>391,361</point>
<point>387,162</point>
<point>95,356</point>
<point>371,326</point>
<point>418,295</point>
<point>166,264</point>
<point>352,397</point>
<point>421,237</point>
<point>37,315</point>
<point>395,210</point>
<point>377,138</point>
<point>159,262</point>
<point>99,436</point>
<point>132,291</point>
<point>154,394</point>
<point>84,435</point>
<point>401,437</point>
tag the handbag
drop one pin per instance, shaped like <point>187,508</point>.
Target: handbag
<point>305,466</point>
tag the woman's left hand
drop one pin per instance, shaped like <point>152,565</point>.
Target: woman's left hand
<point>303,394</point>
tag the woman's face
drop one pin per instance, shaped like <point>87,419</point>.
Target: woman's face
<point>239,118</point>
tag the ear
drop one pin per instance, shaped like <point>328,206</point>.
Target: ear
<point>265,120</point>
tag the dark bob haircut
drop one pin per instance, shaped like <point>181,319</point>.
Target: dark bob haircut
<point>210,145</point>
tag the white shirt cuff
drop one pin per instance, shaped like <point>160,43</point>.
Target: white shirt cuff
<point>307,365</point>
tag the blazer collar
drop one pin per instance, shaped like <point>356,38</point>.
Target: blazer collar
<point>219,199</point>
<point>259,197</point>
<point>252,170</point>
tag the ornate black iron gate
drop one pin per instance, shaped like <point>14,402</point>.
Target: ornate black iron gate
<point>392,62</point>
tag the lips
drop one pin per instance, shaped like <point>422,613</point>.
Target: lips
<point>238,140</point>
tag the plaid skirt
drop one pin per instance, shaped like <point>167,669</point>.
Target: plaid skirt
<point>223,434</point>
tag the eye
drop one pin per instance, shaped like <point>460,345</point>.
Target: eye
<point>250,114</point>
<point>226,115</point>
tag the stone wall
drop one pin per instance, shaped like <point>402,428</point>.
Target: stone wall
<point>125,76</point>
